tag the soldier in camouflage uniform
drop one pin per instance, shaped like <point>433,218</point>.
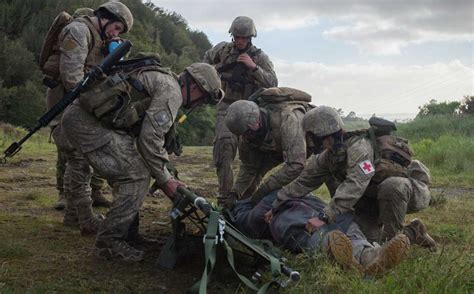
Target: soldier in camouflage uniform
<point>81,45</point>
<point>269,135</point>
<point>127,157</point>
<point>96,182</point>
<point>379,209</point>
<point>244,69</point>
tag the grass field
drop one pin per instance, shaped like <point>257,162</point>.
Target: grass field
<point>39,255</point>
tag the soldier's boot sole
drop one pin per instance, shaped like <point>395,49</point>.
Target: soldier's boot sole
<point>61,204</point>
<point>91,227</point>
<point>99,200</point>
<point>339,248</point>
<point>392,253</point>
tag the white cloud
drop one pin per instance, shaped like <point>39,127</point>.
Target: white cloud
<point>375,27</point>
<point>376,88</point>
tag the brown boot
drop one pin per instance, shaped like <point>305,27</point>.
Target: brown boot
<point>89,222</point>
<point>417,233</point>
<point>61,204</point>
<point>339,248</point>
<point>378,260</point>
<point>99,199</point>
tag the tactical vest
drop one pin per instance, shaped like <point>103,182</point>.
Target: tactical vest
<point>278,103</point>
<point>237,80</point>
<point>120,100</point>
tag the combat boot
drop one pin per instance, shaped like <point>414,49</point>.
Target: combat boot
<point>417,233</point>
<point>89,222</point>
<point>378,260</point>
<point>70,218</point>
<point>98,199</point>
<point>61,203</point>
<point>117,249</point>
<point>339,248</point>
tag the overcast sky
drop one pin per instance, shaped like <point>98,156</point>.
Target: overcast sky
<point>364,56</point>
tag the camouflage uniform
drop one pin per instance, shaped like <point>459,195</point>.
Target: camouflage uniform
<point>128,158</point>
<point>80,48</point>
<point>284,142</point>
<point>223,56</point>
<point>375,205</point>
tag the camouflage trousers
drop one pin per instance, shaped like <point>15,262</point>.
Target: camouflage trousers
<point>76,177</point>
<point>224,151</point>
<point>381,211</point>
<point>96,182</point>
<point>113,155</point>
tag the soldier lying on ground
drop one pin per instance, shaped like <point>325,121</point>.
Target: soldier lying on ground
<point>295,226</point>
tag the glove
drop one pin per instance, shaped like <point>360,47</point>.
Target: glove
<point>170,187</point>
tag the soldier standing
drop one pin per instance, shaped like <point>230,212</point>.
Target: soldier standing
<point>244,69</point>
<point>126,145</point>
<point>378,207</point>
<point>82,46</point>
<point>270,134</point>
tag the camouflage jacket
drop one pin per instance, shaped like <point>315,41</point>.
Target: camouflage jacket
<point>159,117</point>
<point>224,56</point>
<point>284,142</point>
<point>355,175</point>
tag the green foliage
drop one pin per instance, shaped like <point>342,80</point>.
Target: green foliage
<point>198,129</point>
<point>435,108</point>
<point>467,106</point>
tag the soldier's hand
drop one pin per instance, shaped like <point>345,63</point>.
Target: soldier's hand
<point>170,187</point>
<point>314,224</point>
<point>268,216</point>
<point>245,59</point>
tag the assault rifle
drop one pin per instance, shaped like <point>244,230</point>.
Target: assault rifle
<point>218,231</point>
<point>43,121</point>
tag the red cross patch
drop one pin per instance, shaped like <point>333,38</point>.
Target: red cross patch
<point>367,167</point>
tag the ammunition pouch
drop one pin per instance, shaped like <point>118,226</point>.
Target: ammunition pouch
<point>385,168</point>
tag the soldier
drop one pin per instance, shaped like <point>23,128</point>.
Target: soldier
<point>379,207</point>
<point>82,46</point>
<point>244,69</point>
<point>294,227</point>
<point>126,145</point>
<point>269,135</point>
<point>96,182</point>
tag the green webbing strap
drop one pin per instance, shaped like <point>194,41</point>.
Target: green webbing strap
<point>210,252</point>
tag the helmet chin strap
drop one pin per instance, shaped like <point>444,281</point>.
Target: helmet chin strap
<point>103,36</point>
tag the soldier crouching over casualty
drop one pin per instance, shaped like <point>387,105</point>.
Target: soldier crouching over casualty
<point>299,225</point>
<point>243,69</point>
<point>119,125</point>
<point>378,183</point>
<point>270,133</point>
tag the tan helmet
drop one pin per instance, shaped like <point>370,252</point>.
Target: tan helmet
<point>206,77</point>
<point>83,11</point>
<point>240,115</point>
<point>322,121</point>
<point>120,11</point>
<point>243,26</point>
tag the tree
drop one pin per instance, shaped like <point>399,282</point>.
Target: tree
<point>467,106</point>
<point>435,108</point>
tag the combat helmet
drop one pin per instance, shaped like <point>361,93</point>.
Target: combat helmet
<point>243,26</point>
<point>207,79</point>
<point>322,121</point>
<point>240,115</point>
<point>120,11</point>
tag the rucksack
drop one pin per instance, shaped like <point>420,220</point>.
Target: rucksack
<point>392,154</point>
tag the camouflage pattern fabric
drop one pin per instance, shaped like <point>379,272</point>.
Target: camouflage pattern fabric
<point>114,155</point>
<point>225,143</point>
<point>284,143</point>
<point>385,204</point>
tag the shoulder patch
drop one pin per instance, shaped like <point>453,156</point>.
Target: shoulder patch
<point>162,117</point>
<point>367,167</point>
<point>69,45</point>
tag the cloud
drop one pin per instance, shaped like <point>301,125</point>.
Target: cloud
<point>376,88</point>
<point>380,27</point>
